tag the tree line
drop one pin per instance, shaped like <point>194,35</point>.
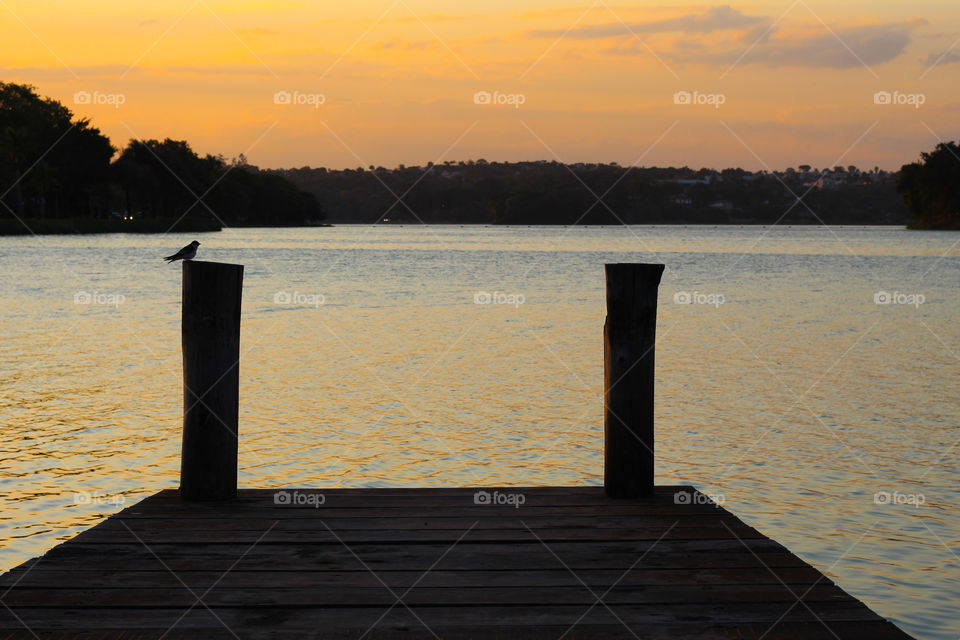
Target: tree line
<point>53,165</point>
<point>543,192</point>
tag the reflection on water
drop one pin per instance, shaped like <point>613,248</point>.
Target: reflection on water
<point>369,359</point>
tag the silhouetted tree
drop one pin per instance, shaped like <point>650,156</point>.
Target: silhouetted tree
<point>931,188</point>
<point>45,152</point>
<point>168,179</point>
<point>57,165</point>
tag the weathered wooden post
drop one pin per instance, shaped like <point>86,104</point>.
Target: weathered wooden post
<point>629,336</point>
<point>211,379</point>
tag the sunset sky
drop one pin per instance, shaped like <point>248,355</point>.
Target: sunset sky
<point>779,83</point>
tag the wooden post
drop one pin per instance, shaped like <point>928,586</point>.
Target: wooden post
<point>211,379</point>
<point>629,336</point>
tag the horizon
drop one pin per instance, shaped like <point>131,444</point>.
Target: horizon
<point>758,86</point>
<point>577,164</point>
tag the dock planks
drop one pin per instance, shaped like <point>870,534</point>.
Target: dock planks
<point>390,563</point>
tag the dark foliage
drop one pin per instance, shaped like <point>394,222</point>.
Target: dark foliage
<point>50,163</point>
<point>931,188</point>
<point>555,193</point>
<point>55,166</point>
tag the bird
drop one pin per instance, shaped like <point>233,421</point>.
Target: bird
<point>187,253</point>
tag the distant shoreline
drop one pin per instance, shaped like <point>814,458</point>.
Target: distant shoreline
<point>71,227</point>
<point>86,226</point>
<point>82,226</point>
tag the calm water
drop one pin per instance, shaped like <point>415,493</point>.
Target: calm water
<point>783,388</point>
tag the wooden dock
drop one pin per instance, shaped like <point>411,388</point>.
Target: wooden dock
<point>626,560</point>
<point>524,562</point>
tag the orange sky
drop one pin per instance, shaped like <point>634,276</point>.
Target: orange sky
<point>759,84</point>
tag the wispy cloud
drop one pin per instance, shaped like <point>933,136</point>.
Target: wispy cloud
<point>432,17</point>
<point>405,45</point>
<point>845,48</point>
<point>722,18</point>
<point>872,44</point>
<point>57,72</point>
<point>217,70</point>
<point>947,57</point>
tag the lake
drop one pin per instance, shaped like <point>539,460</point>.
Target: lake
<point>806,377</point>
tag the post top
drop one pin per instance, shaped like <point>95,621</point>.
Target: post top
<point>210,264</point>
<point>635,266</point>
<point>631,288</point>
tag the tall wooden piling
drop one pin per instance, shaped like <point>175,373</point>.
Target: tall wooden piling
<point>629,337</point>
<point>211,379</point>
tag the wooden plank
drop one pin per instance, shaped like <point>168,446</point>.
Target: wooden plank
<point>312,618</point>
<point>401,502</point>
<point>464,509</point>
<point>428,521</point>
<point>860,630</point>
<point>308,577</point>
<point>347,498</point>
<point>581,553</point>
<point>412,562</point>
<point>323,535</point>
<point>401,507</point>
<point>578,515</point>
<point>559,495</point>
<point>381,596</point>
<point>595,491</point>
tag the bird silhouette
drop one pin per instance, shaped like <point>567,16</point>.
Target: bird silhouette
<point>187,253</point>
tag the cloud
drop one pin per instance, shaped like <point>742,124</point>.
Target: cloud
<point>947,57</point>
<point>433,17</point>
<point>843,48</point>
<point>257,31</point>
<point>406,45</point>
<point>61,72</point>
<point>218,70</point>
<point>722,18</point>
